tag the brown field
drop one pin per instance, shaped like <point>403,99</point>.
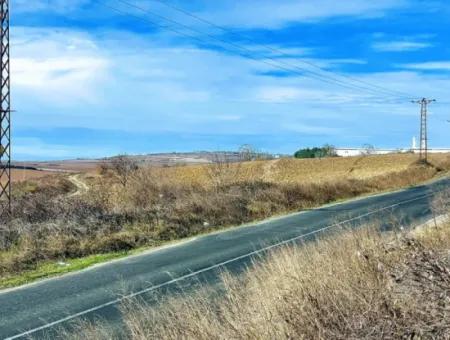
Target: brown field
<point>285,170</point>
<point>165,159</point>
<point>19,175</point>
<point>69,165</point>
<point>25,175</point>
<point>296,171</point>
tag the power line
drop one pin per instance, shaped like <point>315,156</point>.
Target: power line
<point>276,50</point>
<point>315,74</point>
<point>248,53</point>
<point>197,38</point>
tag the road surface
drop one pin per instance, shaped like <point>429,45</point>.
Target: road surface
<point>37,309</point>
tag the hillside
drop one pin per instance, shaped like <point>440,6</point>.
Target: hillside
<point>302,171</point>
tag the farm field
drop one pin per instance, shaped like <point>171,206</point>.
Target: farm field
<point>163,159</point>
<point>299,171</point>
<point>18,175</point>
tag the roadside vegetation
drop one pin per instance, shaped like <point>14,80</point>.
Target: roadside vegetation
<point>129,206</point>
<point>353,284</point>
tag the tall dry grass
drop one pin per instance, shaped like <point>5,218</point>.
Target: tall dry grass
<point>296,171</point>
<point>358,285</point>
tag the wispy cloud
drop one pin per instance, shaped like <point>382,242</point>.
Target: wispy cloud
<point>58,66</point>
<point>266,13</point>
<point>429,66</point>
<point>58,6</point>
<point>36,148</point>
<point>400,46</point>
<point>299,94</point>
<point>312,129</point>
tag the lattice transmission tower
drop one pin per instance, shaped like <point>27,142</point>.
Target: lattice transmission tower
<point>424,102</point>
<point>5,111</point>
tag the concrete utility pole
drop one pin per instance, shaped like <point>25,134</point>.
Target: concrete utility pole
<point>5,111</point>
<point>424,102</point>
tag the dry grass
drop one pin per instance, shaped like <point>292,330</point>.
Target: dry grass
<point>358,285</point>
<point>303,171</point>
<point>157,205</point>
<point>19,175</point>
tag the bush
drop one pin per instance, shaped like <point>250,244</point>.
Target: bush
<point>323,152</point>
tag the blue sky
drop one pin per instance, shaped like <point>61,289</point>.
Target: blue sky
<point>91,82</point>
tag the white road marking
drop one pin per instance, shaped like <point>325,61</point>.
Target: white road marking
<point>218,265</point>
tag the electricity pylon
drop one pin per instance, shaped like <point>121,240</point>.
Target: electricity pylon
<point>5,111</point>
<point>424,102</point>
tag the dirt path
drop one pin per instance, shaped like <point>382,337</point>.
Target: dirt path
<point>82,187</point>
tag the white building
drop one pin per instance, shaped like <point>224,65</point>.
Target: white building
<point>353,152</point>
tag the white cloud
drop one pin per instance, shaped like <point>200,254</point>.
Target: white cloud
<point>310,129</point>
<point>245,13</point>
<point>429,66</point>
<point>278,52</point>
<point>58,6</point>
<point>315,92</point>
<point>266,13</point>
<point>35,148</point>
<point>70,77</point>
<point>58,66</point>
<point>280,94</point>
<point>400,46</point>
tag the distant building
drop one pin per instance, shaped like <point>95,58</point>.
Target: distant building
<point>353,152</point>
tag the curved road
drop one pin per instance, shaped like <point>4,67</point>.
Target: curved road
<point>39,309</point>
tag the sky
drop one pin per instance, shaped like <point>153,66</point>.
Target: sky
<point>96,78</point>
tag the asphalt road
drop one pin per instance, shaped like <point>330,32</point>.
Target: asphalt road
<point>40,309</point>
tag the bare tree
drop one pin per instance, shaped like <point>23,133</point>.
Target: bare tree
<point>368,149</point>
<point>223,171</point>
<point>249,153</point>
<point>123,167</point>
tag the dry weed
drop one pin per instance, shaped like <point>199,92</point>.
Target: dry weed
<point>359,285</point>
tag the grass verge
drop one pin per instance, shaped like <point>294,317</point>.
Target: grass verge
<point>356,285</point>
<point>51,269</point>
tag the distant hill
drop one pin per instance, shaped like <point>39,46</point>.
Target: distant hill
<point>159,159</point>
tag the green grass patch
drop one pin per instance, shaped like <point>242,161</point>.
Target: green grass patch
<point>51,269</point>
